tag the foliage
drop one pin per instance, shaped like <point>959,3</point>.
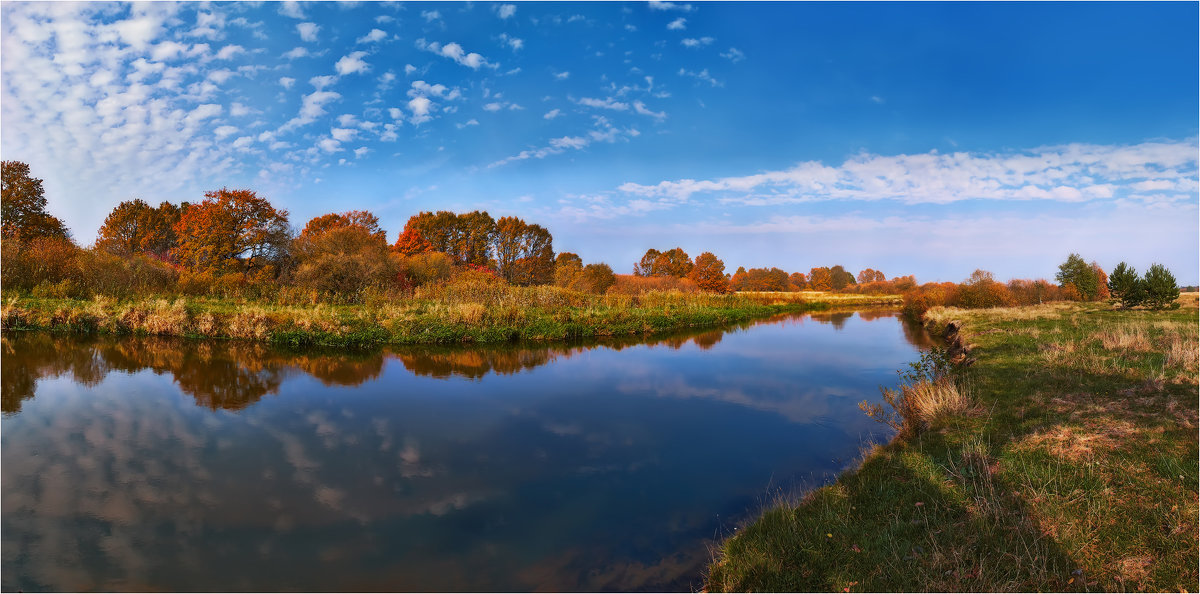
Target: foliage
<point>23,205</point>
<point>231,231</point>
<point>839,278</point>
<point>870,275</point>
<point>708,273</point>
<point>467,237</point>
<point>344,255</point>
<point>673,262</point>
<point>134,227</point>
<point>1079,274</point>
<point>820,279</point>
<point>424,269</point>
<point>632,284</point>
<point>645,266</point>
<point>798,280</point>
<point>981,290</point>
<point>1160,287</point>
<point>1126,286</point>
<point>595,278</point>
<point>524,252</point>
<point>411,243</point>
<point>1102,292</point>
<point>761,279</point>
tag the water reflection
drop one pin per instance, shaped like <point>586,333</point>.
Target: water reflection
<point>145,463</point>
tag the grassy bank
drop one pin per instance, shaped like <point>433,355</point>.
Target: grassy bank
<point>1073,468</point>
<point>462,314</point>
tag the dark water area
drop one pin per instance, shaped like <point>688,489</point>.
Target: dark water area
<point>159,464</point>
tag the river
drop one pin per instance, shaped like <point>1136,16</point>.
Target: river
<point>143,463</point>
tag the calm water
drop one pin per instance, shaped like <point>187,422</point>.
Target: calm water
<point>134,464</point>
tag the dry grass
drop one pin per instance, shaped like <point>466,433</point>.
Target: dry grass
<point>1189,300</point>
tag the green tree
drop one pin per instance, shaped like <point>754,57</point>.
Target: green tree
<point>1125,286</point>
<point>23,205</point>
<point>1161,290</point>
<point>1077,273</point>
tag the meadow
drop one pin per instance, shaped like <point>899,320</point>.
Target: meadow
<point>1066,459</point>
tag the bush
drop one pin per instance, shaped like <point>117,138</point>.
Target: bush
<point>595,278</point>
<point>628,284</point>
<point>425,269</point>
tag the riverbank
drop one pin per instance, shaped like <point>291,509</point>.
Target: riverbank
<point>490,315</point>
<point>1075,468</point>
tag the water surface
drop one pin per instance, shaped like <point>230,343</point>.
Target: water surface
<point>145,463</point>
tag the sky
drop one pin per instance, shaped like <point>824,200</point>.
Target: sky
<point>914,138</point>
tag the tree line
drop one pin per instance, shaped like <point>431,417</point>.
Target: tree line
<point>236,242</point>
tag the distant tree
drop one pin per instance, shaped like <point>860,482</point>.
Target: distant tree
<point>596,278</point>
<point>1161,290</point>
<point>798,280</point>
<point>343,254</point>
<point>765,279</point>
<point>1126,286</point>
<point>870,275</point>
<point>982,290</point>
<point>645,266</point>
<point>23,205</point>
<point>134,227</point>
<point>475,234</point>
<point>820,279</point>
<point>524,252</point>
<point>839,278</point>
<point>568,259</point>
<point>1077,273</point>
<point>231,230</point>
<point>709,273</point>
<point>673,262</point>
<point>567,267</point>
<point>467,238</point>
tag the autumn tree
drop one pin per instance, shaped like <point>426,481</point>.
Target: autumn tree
<point>524,252</point>
<point>982,290</point>
<point>467,238</point>
<point>411,243</point>
<point>363,220</point>
<point>840,278</point>
<point>23,206</point>
<point>343,254</point>
<point>819,279</point>
<point>1102,292</point>
<point>231,231</point>
<point>737,282</point>
<point>645,266</point>
<point>798,280</point>
<point>567,266</point>
<point>870,275</point>
<point>1077,273</point>
<point>709,273</point>
<point>595,278</point>
<point>135,227</point>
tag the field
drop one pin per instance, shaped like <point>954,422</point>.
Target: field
<point>454,313</point>
<point>1074,467</point>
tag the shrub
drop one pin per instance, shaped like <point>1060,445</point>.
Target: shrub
<point>595,278</point>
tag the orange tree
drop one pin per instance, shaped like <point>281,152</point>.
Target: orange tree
<point>343,254</point>
<point>819,279</point>
<point>709,273</point>
<point>231,231</point>
<point>524,252</point>
<point>134,227</point>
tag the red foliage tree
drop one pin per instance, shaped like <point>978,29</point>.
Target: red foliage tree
<point>709,274</point>
<point>231,230</point>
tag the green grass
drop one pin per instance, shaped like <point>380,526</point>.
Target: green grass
<point>1075,470</point>
<point>455,314</point>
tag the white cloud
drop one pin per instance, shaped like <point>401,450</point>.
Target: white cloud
<point>203,112</point>
<point>505,11</point>
<point>603,132</point>
<point>229,51</point>
<point>320,82</point>
<point>296,52</point>
<point>431,15</point>
<point>641,108</point>
<point>409,69</point>
<point>167,50</point>
<point>291,9</point>
<point>695,43</point>
<point>223,131</point>
<point>678,24</point>
<point>606,103</point>
<point>329,145</point>
<point>238,109</point>
<point>702,76</point>
<point>360,151</point>
<point>308,31</point>
<point>553,113</point>
<point>1070,173</point>
<point>351,64</point>
<point>655,5</point>
<point>420,107</point>
<point>455,52</point>
<point>734,55</point>
<point>564,75</point>
<point>470,122</point>
<point>511,41</point>
<point>287,82</point>
<point>373,36</point>
<point>312,106</point>
<point>877,99</point>
<point>343,134</point>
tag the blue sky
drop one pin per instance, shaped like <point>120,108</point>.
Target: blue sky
<point>927,139</point>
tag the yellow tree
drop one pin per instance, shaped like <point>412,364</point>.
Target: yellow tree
<point>819,279</point>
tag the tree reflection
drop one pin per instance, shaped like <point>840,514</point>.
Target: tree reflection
<point>233,375</point>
